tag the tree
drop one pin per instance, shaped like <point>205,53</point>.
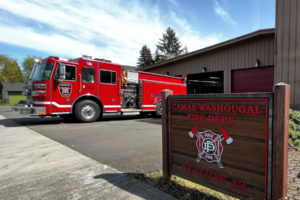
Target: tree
<point>169,46</point>
<point>3,60</point>
<point>145,58</point>
<point>11,71</point>
<point>157,58</point>
<point>27,66</point>
<point>185,50</point>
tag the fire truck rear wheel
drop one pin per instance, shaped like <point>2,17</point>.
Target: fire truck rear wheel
<point>159,109</point>
<point>87,111</point>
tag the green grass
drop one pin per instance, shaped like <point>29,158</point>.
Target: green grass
<point>294,129</point>
<point>3,104</point>
<point>14,98</point>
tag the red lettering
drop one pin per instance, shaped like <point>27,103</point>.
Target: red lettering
<point>208,108</point>
<point>194,107</point>
<point>227,108</point>
<point>196,117</point>
<point>195,171</point>
<point>222,179</point>
<point>212,175</point>
<point>242,109</point>
<point>183,167</point>
<point>213,108</point>
<point>190,168</point>
<point>174,106</point>
<point>257,110</point>
<point>220,108</point>
<point>201,107</point>
<point>183,107</point>
<point>234,108</point>
<point>242,185</point>
<point>220,119</point>
<point>234,183</point>
<point>250,110</point>
<point>230,120</point>
<point>202,118</point>
<point>211,119</point>
<point>201,171</point>
<point>207,174</point>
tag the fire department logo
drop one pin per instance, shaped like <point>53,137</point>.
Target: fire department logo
<point>65,89</point>
<point>209,144</point>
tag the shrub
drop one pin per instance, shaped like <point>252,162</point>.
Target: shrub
<point>294,129</point>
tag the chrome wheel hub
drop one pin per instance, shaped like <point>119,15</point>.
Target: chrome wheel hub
<point>88,111</point>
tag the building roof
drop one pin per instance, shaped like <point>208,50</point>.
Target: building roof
<point>252,35</point>
<point>12,87</point>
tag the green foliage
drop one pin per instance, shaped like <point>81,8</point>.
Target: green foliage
<point>10,70</point>
<point>145,58</point>
<point>27,66</point>
<point>169,46</point>
<point>294,129</point>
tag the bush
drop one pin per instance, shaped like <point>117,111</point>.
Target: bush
<point>294,129</point>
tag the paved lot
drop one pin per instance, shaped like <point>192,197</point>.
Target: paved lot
<point>36,167</point>
<point>129,144</point>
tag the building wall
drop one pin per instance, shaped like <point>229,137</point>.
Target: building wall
<point>239,55</point>
<point>287,41</point>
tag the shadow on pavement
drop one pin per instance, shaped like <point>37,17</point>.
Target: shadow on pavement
<point>167,186</point>
<point>16,122</point>
<point>126,182</point>
<point>36,121</point>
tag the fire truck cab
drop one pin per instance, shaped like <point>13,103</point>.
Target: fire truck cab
<point>85,88</point>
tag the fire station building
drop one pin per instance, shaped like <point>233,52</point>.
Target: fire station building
<point>249,63</point>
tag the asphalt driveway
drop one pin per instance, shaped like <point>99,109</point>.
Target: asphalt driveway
<point>128,143</point>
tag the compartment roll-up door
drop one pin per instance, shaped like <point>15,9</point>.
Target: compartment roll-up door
<point>260,79</point>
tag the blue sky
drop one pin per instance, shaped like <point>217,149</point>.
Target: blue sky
<point>116,30</point>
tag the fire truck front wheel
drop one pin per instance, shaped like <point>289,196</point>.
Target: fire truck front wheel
<point>87,111</point>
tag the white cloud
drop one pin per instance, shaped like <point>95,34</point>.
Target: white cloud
<point>220,11</point>
<point>104,29</point>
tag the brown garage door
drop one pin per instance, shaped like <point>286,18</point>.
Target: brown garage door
<point>252,80</point>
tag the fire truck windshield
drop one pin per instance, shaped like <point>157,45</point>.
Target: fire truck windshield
<point>41,72</point>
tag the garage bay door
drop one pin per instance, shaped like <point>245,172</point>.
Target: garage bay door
<point>252,80</point>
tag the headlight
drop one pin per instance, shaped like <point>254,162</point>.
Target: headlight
<point>39,93</point>
<point>40,86</point>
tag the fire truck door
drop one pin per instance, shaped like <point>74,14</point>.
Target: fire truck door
<point>64,91</point>
<point>87,81</point>
<point>110,90</point>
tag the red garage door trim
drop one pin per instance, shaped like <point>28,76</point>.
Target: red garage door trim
<point>259,79</point>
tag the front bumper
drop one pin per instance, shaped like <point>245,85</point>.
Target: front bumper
<point>25,110</point>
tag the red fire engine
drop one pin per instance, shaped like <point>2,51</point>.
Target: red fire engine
<point>85,88</point>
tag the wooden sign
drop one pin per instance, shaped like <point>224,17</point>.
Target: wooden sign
<point>221,141</point>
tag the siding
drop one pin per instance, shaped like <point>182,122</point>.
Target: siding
<point>239,55</point>
<point>287,41</point>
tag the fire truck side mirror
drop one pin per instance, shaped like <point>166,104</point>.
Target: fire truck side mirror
<point>61,72</point>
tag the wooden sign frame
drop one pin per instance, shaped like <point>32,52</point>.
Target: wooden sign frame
<point>275,140</point>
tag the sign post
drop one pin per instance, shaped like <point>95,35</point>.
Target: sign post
<point>225,141</point>
<point>280,140</point>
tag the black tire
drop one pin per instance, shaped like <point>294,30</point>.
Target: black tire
<point>159,109</point>
<point>87,111</point>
